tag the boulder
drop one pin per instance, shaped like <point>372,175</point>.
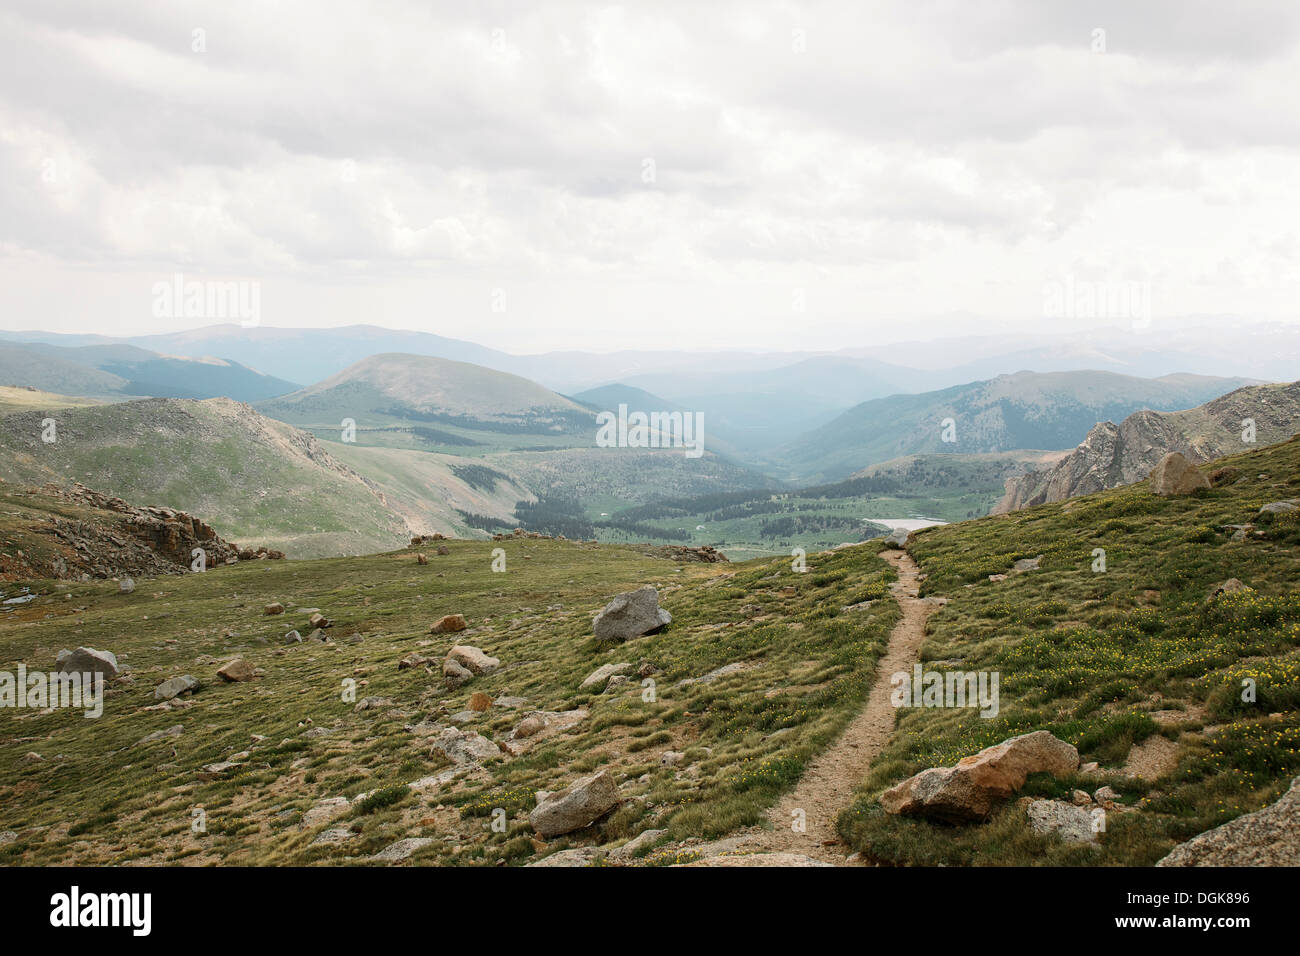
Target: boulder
<point>293,637</point>
<point>473,659</point>
<point>276,608</point>
<point>1279,507</point>
<point>454,673</point>
<point>237,670</point>
<point>319,620</point>
<point>87,660</point>
<point>529,726</point>
<point>1230,586</point>
<point>1267,837</point>
<point>970,790</point>
<point>1071,823</point>
<point>1175,475</point>
<point>464,746</point>
<point>448,624</point>
<point>897,538</point>
<point>602,674</point>
<point>631,614</point>
<point>574,807</point>
<point>175,686</point>
<point>401,850</point>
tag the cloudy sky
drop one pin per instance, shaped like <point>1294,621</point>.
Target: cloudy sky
<point>683,175</point>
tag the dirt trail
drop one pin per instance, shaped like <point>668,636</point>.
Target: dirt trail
<point>827,786</point>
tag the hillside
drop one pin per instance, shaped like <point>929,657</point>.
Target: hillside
<point>258,481</point>
<point>122,371</point>
<point>726,715</point>
<point>1026,410</point>
<point>1113,455</point>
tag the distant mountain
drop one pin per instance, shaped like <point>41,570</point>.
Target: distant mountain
<point>116,370</point>
<point>1025,410</point>
<point>396,388</point>
<point>1114,455</point>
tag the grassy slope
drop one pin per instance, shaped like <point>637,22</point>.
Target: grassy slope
<point>99,797</point>
<point>1105,660</point>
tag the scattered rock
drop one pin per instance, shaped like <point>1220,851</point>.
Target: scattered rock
<point>293,637</point>
<point>576,806</point>
<point>631,614</point>
<point>1071,823</point>
<point>1175,475</point>
<point>464,746</point>
<point>603,673</point>
<point>319,620</point>
<point>473,659</point>
<point>448,624</point>
<point>175,686</point>
<point>237,670</point>
<point>969,790</point>
<point>271,609</point>
<point>454,674</point>
<point>401,850</point>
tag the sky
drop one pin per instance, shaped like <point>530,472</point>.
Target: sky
<point>662,175</point>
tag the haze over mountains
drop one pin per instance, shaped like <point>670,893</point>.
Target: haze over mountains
<point>443,435</point>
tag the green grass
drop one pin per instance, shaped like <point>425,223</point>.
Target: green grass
<point>1106,659</point>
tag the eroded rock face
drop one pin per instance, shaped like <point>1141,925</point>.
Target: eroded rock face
<point>631,614</point>
<point>574,807</point>
<point>1175,475</point>
<point>1268,837</point>
<point>970,790</point>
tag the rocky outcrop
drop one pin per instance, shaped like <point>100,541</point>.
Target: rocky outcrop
<point>631,614</point>
<point>1268,837</point>
<point>970,790</point>
<point>1114,455</point>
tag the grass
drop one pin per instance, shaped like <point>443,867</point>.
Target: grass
<point>99,796</point>
<point>1106,659</point>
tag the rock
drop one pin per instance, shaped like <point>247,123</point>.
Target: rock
<point>646,669</point>
<point>1230,586</point>
<point>401,850</point>
<point>373,703</point>
<point>1105,795</point>
<point>126,585</point>
<point>324,811</point>
<point>1027,564</point>
<point>479,701</point>
<point>421,559</point>
<point>448,623</point>
<point>319,620</point>
<point>293,637</point>
<point>237,670</point>
<point>1279,507</point>
<point>332,837</point>
<point>464,746</point>
<point>756,859</point>
<point>529,726</point>
<point>1267,837</point>
<point>578,856</point>
<point>897,538</point>
<point>175,686</point>
<point>473,659</point>
<point>602,674</point>
<point>443,549</point>
<point>87,660</point>
<point>416,660</point>
<point>632,847</point>
<point>215,771</point>
<point>1175,475</point>
<point>7,837</point>
<point>576,806</point>
<point>271,609</point>
<point>671,758</point>
<point>997,577</point>
<point>1080,798</point>
<point>1072,824</point>
<point>631,614</point>
<point>162,734</point>
<point>454,674</point>
<point>969,790</point>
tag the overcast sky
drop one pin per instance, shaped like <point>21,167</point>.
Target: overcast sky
<point>774,175</point>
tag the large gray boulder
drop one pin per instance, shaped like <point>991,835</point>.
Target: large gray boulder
<point>631,614</point>
<point>574,807</point>
<point>1268,837</point>
<point>87,660</point>
<point>177,685</point>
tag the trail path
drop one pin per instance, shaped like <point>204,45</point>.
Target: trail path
<point>828,784</point>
